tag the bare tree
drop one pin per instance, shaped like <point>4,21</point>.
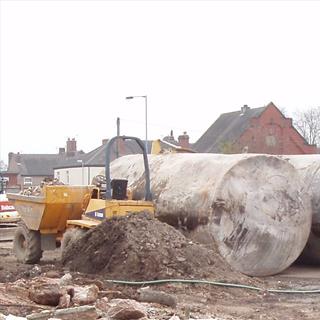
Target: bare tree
<point>308,124</point>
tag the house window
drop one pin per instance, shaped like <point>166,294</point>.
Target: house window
<point>27,181</point>
<point>271,141</point>
<point>58,175</point>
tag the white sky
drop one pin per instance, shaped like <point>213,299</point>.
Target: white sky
<point>67,66</point>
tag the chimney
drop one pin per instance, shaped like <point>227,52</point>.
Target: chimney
<point>244,109</point>
<point>184,140</point>
<point>104,141</point>
<point>170,138</point>
<point>62,151</point>
<point>10,156</point>
<point>18,157</point>
<point>71,147</point>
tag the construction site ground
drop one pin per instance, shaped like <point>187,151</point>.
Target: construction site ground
<point>193,301</point>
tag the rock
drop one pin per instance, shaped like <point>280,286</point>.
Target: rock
<point>66,280</point>
<point>125,309</point>
<point>174,318</point>
<point>112,294</point>
<point>46,294</point>
<point>85,295</point>
<point>148,295</point>
<point>12,317</point>
<point>52,274</point>
<point>97,282</point>
<point>79,313</point>
<point>35,271</point>
<point>69,290</point>
<point>103,304</point>
<point>65,301</point>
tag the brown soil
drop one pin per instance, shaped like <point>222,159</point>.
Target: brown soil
<point>143,248</point>
<point>139,247</point>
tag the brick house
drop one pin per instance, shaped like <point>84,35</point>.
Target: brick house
<point>258,130</point>
<point>25,170</point>
<point>81,170</point>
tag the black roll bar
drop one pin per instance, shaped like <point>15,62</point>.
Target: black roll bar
<point>148,195</point>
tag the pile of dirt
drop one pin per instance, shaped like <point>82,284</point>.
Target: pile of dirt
<point>138,247</point>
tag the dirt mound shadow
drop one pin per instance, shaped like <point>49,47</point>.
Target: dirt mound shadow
<point>138,247</point>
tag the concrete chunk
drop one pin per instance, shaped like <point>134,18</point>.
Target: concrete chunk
<point>126,309</point>
<point>79,313</point>
<point>85,295</point>
<point>45,294</point>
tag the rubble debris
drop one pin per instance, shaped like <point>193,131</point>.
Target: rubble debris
<point>32,191</point>
<point>11,317</point>
<point>65,301</point>
<point>46,294</point>
<point>52,274</point>
<point>79,313</point>
<point>126,309</point>
<point>146,249</point>
<point>160,297</point>
<point>35,271</point>
<point>195,301</point>
<point>102,304</point>
<point>54,292</point>
<point>65,280</point>
<point>38,190</point>
<point>85,295</point>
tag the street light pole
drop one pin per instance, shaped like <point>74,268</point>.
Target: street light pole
<point>146,116</point>
<point>146,104</point>
<point>118,135</point>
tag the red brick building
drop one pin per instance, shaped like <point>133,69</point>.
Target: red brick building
<point>25,170</point>
<point>258,130</point>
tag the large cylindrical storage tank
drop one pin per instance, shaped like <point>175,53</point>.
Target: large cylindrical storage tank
<point>254,206</point>
<point>308,167</point>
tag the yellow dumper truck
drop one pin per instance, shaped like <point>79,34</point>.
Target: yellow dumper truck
<point>45,218</point>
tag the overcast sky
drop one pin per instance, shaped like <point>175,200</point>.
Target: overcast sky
<point>67,66</point>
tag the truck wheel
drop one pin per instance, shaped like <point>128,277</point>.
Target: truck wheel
<point>69,237</point>
<point>27,245</point>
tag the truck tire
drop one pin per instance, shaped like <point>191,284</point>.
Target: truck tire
<point>27,245</point>
<point>69,237</point>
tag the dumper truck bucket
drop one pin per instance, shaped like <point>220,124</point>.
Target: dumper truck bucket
<point>50,211</point>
